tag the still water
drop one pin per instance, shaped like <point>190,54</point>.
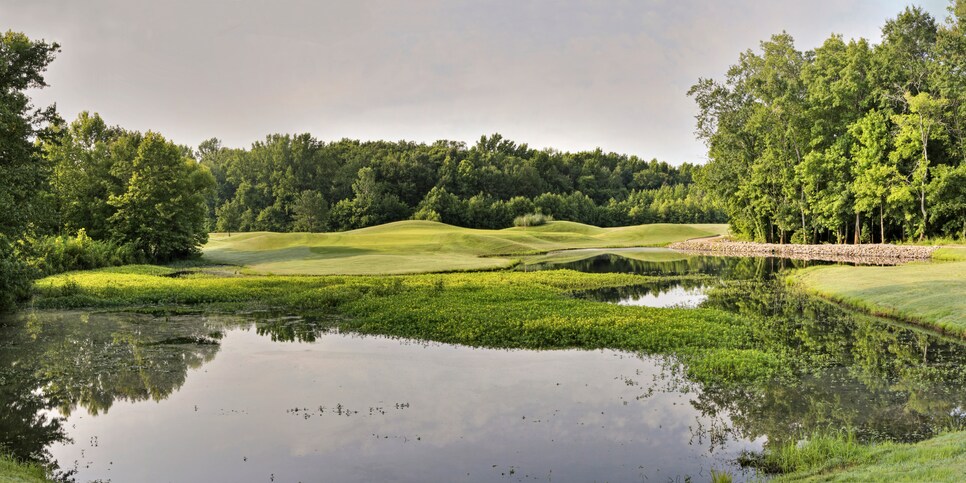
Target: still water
<point>129,397</point>
<point>135,398</point>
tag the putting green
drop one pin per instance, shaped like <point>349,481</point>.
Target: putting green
<point>425,246</point>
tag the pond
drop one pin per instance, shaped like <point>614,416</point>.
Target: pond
<point>263,397</point>
<point>686,278</point>
<point>133,397</point>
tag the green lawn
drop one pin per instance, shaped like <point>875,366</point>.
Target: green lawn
<point>423,246</point>
<point>929,293</point>
<point>955,254</point>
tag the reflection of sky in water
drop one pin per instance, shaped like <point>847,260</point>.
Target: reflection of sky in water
<point>673,297</point>
<point>425,412</point>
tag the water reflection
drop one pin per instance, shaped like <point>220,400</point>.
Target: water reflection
<point>244,406</point>
<point>672,292</point>
<point>845,369</point>
<point>138,397</point>
<point>884,380</point>
<point>662,262</point>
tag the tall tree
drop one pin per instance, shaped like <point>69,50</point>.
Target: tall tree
<point>22,66</point>
<point>163,211</point>
<point>916,129</point>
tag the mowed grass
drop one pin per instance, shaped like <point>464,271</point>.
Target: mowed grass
<point>840,458</point>
<point>407,247</point>
<point>928,293</point>
<point>953,254</point>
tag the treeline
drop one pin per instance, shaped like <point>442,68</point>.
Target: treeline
<point>849,142</point>
<point>298,183</point>
<point>85,194</point>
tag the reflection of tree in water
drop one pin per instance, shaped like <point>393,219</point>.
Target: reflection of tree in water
<point>849,370</point>
<point>292,328</point>
<point>26,429</point>
<point>53,363</point>
<point>729,268</point>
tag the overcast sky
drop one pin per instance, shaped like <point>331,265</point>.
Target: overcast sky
<point>571,75</point>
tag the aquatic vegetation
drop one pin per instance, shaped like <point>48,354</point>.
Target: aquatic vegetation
<point>533,310</point>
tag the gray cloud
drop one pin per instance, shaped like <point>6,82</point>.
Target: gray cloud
<point>566,74</point>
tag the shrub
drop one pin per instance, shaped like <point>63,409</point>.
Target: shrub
<point>50,255</point>
<point>532,219</point>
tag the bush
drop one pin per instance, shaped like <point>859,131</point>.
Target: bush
<point>15,278</point>
<point>532,219</point>
<point>50,255</point>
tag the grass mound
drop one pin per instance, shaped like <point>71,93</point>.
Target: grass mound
<point>407,247</point>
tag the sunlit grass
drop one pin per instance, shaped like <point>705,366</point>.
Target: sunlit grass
<point>424,246</point>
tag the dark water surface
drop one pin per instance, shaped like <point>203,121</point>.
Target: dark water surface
<point>129,397</point>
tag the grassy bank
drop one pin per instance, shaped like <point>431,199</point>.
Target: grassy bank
<point>423,246</point>
<point>930,294</point>
<point>492,309</point>
<point>840,457</point>
<point>13,471</point>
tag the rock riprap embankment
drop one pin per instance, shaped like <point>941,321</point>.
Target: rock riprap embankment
<point>875,254</point>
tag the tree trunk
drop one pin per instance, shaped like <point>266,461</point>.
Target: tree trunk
<point>922,208</point>
<point>881,225</point>
<point>858,228</point>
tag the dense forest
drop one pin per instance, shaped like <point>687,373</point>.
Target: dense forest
<point>849,142</point>
<point>297,183</point>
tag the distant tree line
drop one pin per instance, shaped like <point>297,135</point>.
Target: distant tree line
<point>849,142</point>
<point>298,183</point>
<point>85,194</point>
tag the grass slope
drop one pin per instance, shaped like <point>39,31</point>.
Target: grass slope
<point>423,246</point>
<point>838,458</point>
<point>932,294</point>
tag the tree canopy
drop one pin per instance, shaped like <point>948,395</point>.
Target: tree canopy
<point>22,66</point>
<point>847,142</point>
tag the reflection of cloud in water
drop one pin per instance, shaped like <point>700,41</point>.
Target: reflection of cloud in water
<point>571,412</point>
<point>672,297</point>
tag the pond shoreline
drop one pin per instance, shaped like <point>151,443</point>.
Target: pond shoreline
<point>866,254</point>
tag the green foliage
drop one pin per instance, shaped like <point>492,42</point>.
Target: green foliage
<point>820,451</point>
<point>532,219</point>
<point>835,144</point>
<point>50,255</point>
<point>162,211</point>
<point>482,186</point>
<point>137,190</point>
<point>22,65</point>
